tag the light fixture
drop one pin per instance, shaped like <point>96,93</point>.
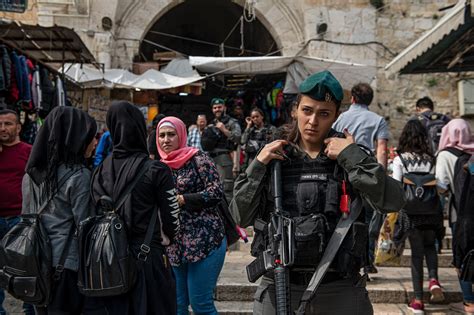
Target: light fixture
<point>183,94</point>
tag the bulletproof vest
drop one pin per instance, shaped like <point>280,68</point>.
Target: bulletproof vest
<point>311,189</point>
<point>224,143</point>
<point>257,139</point>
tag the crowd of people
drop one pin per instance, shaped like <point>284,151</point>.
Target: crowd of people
<point>333,168</point>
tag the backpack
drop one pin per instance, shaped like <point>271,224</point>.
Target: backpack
<point>26,256</point>
<point>463,189</point>
<point>420,192</point>
<point>210,137</point>
<point>107,266</point>
<point>433,124</point>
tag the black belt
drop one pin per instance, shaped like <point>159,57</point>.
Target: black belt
<point>215,154</point>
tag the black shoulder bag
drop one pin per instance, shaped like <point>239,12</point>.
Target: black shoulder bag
<point>107,266</point>
<point>26,256</point>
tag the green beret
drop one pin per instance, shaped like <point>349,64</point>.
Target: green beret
<point>217,100</point>
<point>322,86</point>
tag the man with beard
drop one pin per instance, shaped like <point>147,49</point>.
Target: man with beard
<point>14,155</point>
<point>229,137</point>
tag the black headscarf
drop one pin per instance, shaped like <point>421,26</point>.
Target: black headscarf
<point>152,138</point>
<point>63,139</point>
<point>128,132</point>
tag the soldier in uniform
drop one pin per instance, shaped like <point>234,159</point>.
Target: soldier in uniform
<point>229,137</point>
<point>317,162</point>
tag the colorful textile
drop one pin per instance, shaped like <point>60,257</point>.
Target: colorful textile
<point>457,134</point>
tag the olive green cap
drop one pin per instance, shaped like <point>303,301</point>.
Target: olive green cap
<point>322,86</point>
<point>217,100</point>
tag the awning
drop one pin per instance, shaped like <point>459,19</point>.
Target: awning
<point>297,68</point>
<point>89,76</point>
<point>447,47</point>
<point>47,45</point>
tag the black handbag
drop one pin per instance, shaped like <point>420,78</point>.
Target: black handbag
<point>230,227</point>
<point>107,266</point>
<point>26,256</point>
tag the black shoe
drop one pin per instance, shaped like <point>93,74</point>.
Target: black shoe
<point>370,269</point>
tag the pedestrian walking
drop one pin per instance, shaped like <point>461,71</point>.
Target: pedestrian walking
<point>198,250</point>
<point>14,155</point>
<point>421,225</point>
<point>63,143</point>
<point>457,144</point>
<point>154,291</point>
<point>317,163</point>
<point>371,130</point>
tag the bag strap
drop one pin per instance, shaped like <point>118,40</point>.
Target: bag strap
<point>145,246</point>
<point>131,186</point>
<point>60,266</point>
<point>404,163</point>
<point>335,242</point>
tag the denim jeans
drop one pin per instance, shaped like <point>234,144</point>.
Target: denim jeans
<point>195,282</point>
<point>5,225</point>
<point>466,288</point>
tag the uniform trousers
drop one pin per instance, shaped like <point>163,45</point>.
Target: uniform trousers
<point>345,296</point>
<point>224,166</point>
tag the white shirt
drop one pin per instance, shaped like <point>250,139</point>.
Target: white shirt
<point>445,162</point>
<point>413,164</point>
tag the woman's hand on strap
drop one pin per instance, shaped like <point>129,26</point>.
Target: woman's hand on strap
<point>271,151</point>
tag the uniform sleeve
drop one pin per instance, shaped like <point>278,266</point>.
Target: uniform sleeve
<point>397,169</point>
<point>369,179</point>
<point>213,191</point>
<point>78,192</point>
<point>26,195</point>
<point>382,130</point>
<point>167,201</point>
<point>444,170</point>
<point>235,132</point>
<point>245,135</point>
<point>248,193</point>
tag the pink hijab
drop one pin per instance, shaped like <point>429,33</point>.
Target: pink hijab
<point>177,158</point>
<point>457,134</point>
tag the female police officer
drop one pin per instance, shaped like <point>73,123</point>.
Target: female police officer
<point>316,163</point>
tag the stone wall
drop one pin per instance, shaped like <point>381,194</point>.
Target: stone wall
<point>30,16</point>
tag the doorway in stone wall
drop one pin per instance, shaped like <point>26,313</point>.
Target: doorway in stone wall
<point>207,28</point>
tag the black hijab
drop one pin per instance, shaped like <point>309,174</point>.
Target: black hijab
<point>62,139</point>
<point>128,132</point>
<point>152,138</point>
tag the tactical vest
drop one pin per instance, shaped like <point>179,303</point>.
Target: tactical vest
<point>224,144</point>
<point>311,197</point>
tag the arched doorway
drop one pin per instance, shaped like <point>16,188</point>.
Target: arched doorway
<point>200,27</point>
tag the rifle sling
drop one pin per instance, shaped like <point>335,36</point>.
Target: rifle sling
<point>335,242</point>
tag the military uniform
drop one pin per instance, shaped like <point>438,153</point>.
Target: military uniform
<point>311,190</point>
<point>225,145</point>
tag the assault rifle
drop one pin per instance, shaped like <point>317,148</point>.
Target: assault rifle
<point>279,254</point>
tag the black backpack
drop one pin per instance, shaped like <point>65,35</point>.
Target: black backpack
<point>26,256</point>
<point>420,192</point>
<point>210,137</point>
<point>463,189</point>
<point>433,124</point>
<point>107,266</point>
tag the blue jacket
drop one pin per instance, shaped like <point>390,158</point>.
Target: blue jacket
<point>104,148</point>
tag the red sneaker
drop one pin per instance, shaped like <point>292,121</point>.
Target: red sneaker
<point>436,292</point>
<point>417,307</point>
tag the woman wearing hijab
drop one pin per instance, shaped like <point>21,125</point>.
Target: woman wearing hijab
<point>456,139</point>
<point>154,291</point>
<point>198,251</point>
<point>56,167</point>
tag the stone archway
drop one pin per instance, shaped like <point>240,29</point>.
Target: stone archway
<point>277,17</point>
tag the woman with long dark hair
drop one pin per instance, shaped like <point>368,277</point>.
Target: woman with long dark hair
<point>415,156</point>
<point>56,167</point>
